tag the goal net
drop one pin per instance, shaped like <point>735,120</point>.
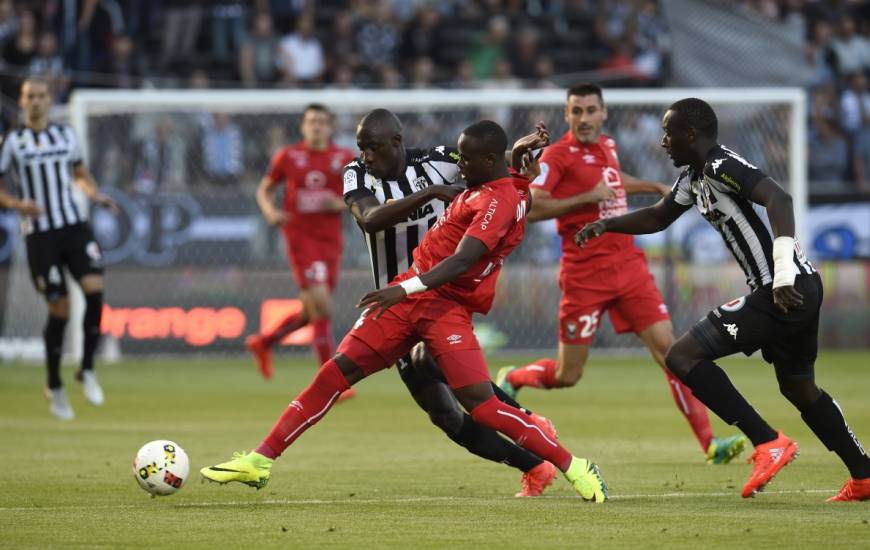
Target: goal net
<point>191,266</point>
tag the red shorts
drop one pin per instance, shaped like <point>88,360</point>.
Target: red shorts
<point>625,288</point>
<point>313,262</point>
<point>442,324</point>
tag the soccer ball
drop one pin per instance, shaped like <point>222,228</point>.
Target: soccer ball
<point>161,467</point>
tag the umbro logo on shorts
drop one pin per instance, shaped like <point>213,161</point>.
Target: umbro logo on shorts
<point>454,339</point>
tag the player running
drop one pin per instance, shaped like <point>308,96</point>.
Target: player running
<point>781,314</point>
<point>454,275</point>
<point>581,181</point>
<point>396,195</point>
<point>311,222</point>
<point>46,160</point>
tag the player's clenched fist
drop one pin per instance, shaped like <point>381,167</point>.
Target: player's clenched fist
<point>589,232</point>
<point>602,192</point>
<point>384,299</point>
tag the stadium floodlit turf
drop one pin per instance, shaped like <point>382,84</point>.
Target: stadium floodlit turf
<point>375,473</point>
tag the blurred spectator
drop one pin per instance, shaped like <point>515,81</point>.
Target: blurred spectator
<point>8,21</point>
<point>227,27</point>
<point>489,48</point>
<point>544,73</point>
<point>526,53</point>
<point>181,22</point>
<point>390,77</point>
<point>828,158</point>
<point>823,107</point>
<point>259,55</point>
<point>852,49</point>
<point>861,159</point>
<point>855,103</point>
<point>377,36</point>
<point>342,77</point>
<point>422,36</point>
<point>463,78</point>
<point>123,69</point>
<point>342,41</point>
<point>18,52</point>
<point>651,40</point>
<point>86,30</point>
<point>159,160</point>
<point>820,54</point>
<point>198,80</point>
<point>222,150</point>
<point>301,58</point>
<point>48,64</point>
<point>423,73</point>
<point>620,67</point>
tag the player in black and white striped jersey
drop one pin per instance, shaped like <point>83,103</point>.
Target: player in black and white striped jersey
<point>780,316</point>
<point>45,160</point>
<point>396,194</point>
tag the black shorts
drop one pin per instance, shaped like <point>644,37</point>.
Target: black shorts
<point>790,341</point>
<point>73,247</point>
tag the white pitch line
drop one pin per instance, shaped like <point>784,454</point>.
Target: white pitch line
<point>400,500</point>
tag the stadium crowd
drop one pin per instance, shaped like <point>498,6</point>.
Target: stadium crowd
<point>413,44</point>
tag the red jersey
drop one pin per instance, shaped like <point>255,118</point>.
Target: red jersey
<point>568,168</point>
<point>311,177</point>
<point>493,213</point>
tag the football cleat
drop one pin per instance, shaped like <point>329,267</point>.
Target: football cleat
<point>537,479</point>
<point>586,478</point>
<point>262,353</point>
<point>723,450</point>
<point>769,458</point>
<point>855,490</point>
<point>252,469</point>
<point>58,404</point>
<point>90,386</point>
<point>502,382</point>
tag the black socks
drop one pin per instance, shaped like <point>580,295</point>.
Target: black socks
<point>53,336</point>
<point>91,326</point>
<point>826,420</point>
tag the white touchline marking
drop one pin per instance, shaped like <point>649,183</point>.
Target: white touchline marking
<point>403,500</point>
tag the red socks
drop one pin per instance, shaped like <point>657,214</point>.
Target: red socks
<point>322,344</point>
<point>516,425</point>
<point>290,324</point>
<point>540,374</point>
<point>694,411</point>
<point>306,410</point>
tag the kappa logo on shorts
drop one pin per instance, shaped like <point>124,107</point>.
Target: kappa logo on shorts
<point>54,276</point>
<point>732,329</point>
<point>454,339</point>
<point>734,305</point>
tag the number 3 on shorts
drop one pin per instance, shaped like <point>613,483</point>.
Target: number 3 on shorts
<point>588,324</point>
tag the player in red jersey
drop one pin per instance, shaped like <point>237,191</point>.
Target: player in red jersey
<point>581,181</point>
<point>454,275</point>
<point>311,221</point>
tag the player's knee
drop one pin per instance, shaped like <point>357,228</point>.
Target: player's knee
<point>448,420</point>
<point>800,392</point>
<point>678,362</point>
<point>59,308</point>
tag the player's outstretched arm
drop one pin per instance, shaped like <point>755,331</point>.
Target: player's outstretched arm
<point>373,216</point>
<point>780,212</point>
<point>469,251</point>
<point>83,178</point>
<point>266,202</point>
<point>635,185</point>
<point>651,219</point>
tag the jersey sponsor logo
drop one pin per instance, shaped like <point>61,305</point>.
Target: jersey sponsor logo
<point>454,339</point>
<point>490,212</point>
<point>731,182</point>
<point>420,183</point>
<point>421,213</point>
<point>589,158</point>
<point>315,179</point>
<point>455,156</point>
<point>732,329</point>
<point>734,305</point>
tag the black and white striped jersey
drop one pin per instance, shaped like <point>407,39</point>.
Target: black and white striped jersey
<point>722,195</point>
<point>391,250</point>
<point>42,163</point>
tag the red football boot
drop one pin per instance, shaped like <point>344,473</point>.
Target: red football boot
<point>854,490</point>
<point>262,353</point>
<point>769,459</point>
<point>537,479</point>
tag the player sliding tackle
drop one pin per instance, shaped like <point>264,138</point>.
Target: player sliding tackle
<point>454,275</point>
<point>781,314</point>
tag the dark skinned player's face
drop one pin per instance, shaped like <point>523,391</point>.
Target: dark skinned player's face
<point>380,151</point>
<point>475,164</point>
<point>678,141</point>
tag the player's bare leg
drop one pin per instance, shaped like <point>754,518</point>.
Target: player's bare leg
<point>658,338</point>
<point>92,287</point>
<point>58,314</point>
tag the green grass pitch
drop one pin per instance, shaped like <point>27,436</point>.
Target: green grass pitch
<point>376,474</point>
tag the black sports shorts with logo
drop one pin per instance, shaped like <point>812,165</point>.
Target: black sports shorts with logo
<point>48,252</point>
<point>787,340</point>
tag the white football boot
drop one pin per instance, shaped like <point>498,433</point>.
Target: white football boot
<point>91,387</point>
<point>59,405</point>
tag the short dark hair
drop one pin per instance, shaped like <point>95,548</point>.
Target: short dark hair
<point>492,136</point>
<point>586,88</point>
<point>697,114</point>
<point>318,107</point>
